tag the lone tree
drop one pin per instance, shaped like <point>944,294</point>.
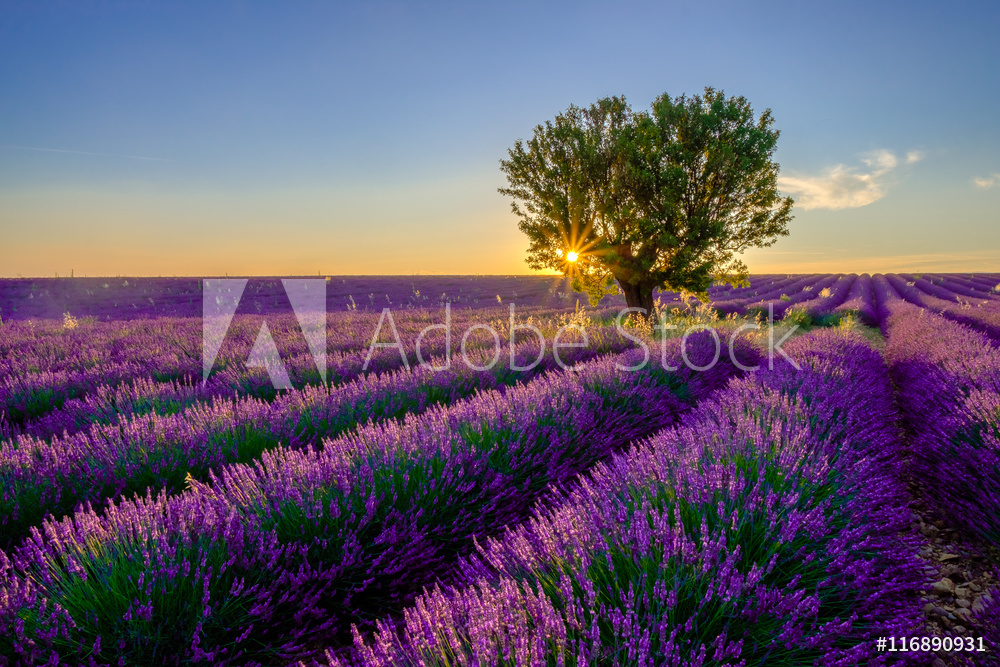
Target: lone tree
<point>663,199</point>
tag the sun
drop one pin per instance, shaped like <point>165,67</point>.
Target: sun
<point>572,256</point>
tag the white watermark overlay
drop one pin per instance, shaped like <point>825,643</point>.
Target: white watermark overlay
<point>387,323</point>
<point>221,298</point>
<point>515,327</point>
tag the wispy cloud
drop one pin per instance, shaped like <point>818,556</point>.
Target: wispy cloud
<point>986,182</point>
<point>881,160</point>
<point>841,186</point>
<point>60,150</point>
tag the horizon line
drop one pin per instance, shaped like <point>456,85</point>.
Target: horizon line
<point>451,275</point>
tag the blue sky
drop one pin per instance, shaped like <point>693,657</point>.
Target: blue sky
<point>191,138</point>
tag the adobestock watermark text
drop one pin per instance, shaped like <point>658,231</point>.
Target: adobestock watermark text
<point>480,346</point>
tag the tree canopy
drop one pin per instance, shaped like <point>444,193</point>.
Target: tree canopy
<point>660,199</point>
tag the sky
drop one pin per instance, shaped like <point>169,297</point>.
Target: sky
<point>281,138</point>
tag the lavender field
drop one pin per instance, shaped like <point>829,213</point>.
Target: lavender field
<point>684,494</point>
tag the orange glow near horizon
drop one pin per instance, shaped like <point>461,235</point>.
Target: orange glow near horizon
<point>147,234</point>
<point>49,260</point>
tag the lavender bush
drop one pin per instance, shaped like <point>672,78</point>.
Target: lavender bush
<point>267,558</point>
<point>43,365</point>
<point>820,310</point>
<point>949,390</point>
<point>794,295</point>
<point>40,477</point>
<point>765,530</point>
<point>461,517</point>
<point>945,288</point>
<point>860,302</point>
<point>977,313</point>
<point>735,300</point>
<point>111,396</point>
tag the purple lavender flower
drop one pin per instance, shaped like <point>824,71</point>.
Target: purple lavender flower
<point>949,391</point>
<point>264,559</point>
<point>153,451</point>
<point>765,530</point>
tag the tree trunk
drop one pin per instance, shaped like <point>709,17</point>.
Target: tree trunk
<point>638,296</point>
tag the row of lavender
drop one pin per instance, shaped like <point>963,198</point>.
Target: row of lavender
<point>107,369</point>
<point>980,313</point>
<point>104,369</point>
<point>39,346</point>
<point>263,560</point>
<point>770,528</point>
<point>43,345</point>
<point>823,299</point>
<point>783,291</point>
<point>884,295</point>
<point>40,477</point>
<point>950,389</point>
<point>949,382</point>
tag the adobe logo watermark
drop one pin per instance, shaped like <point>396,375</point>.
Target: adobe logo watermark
<point>221,297</point>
